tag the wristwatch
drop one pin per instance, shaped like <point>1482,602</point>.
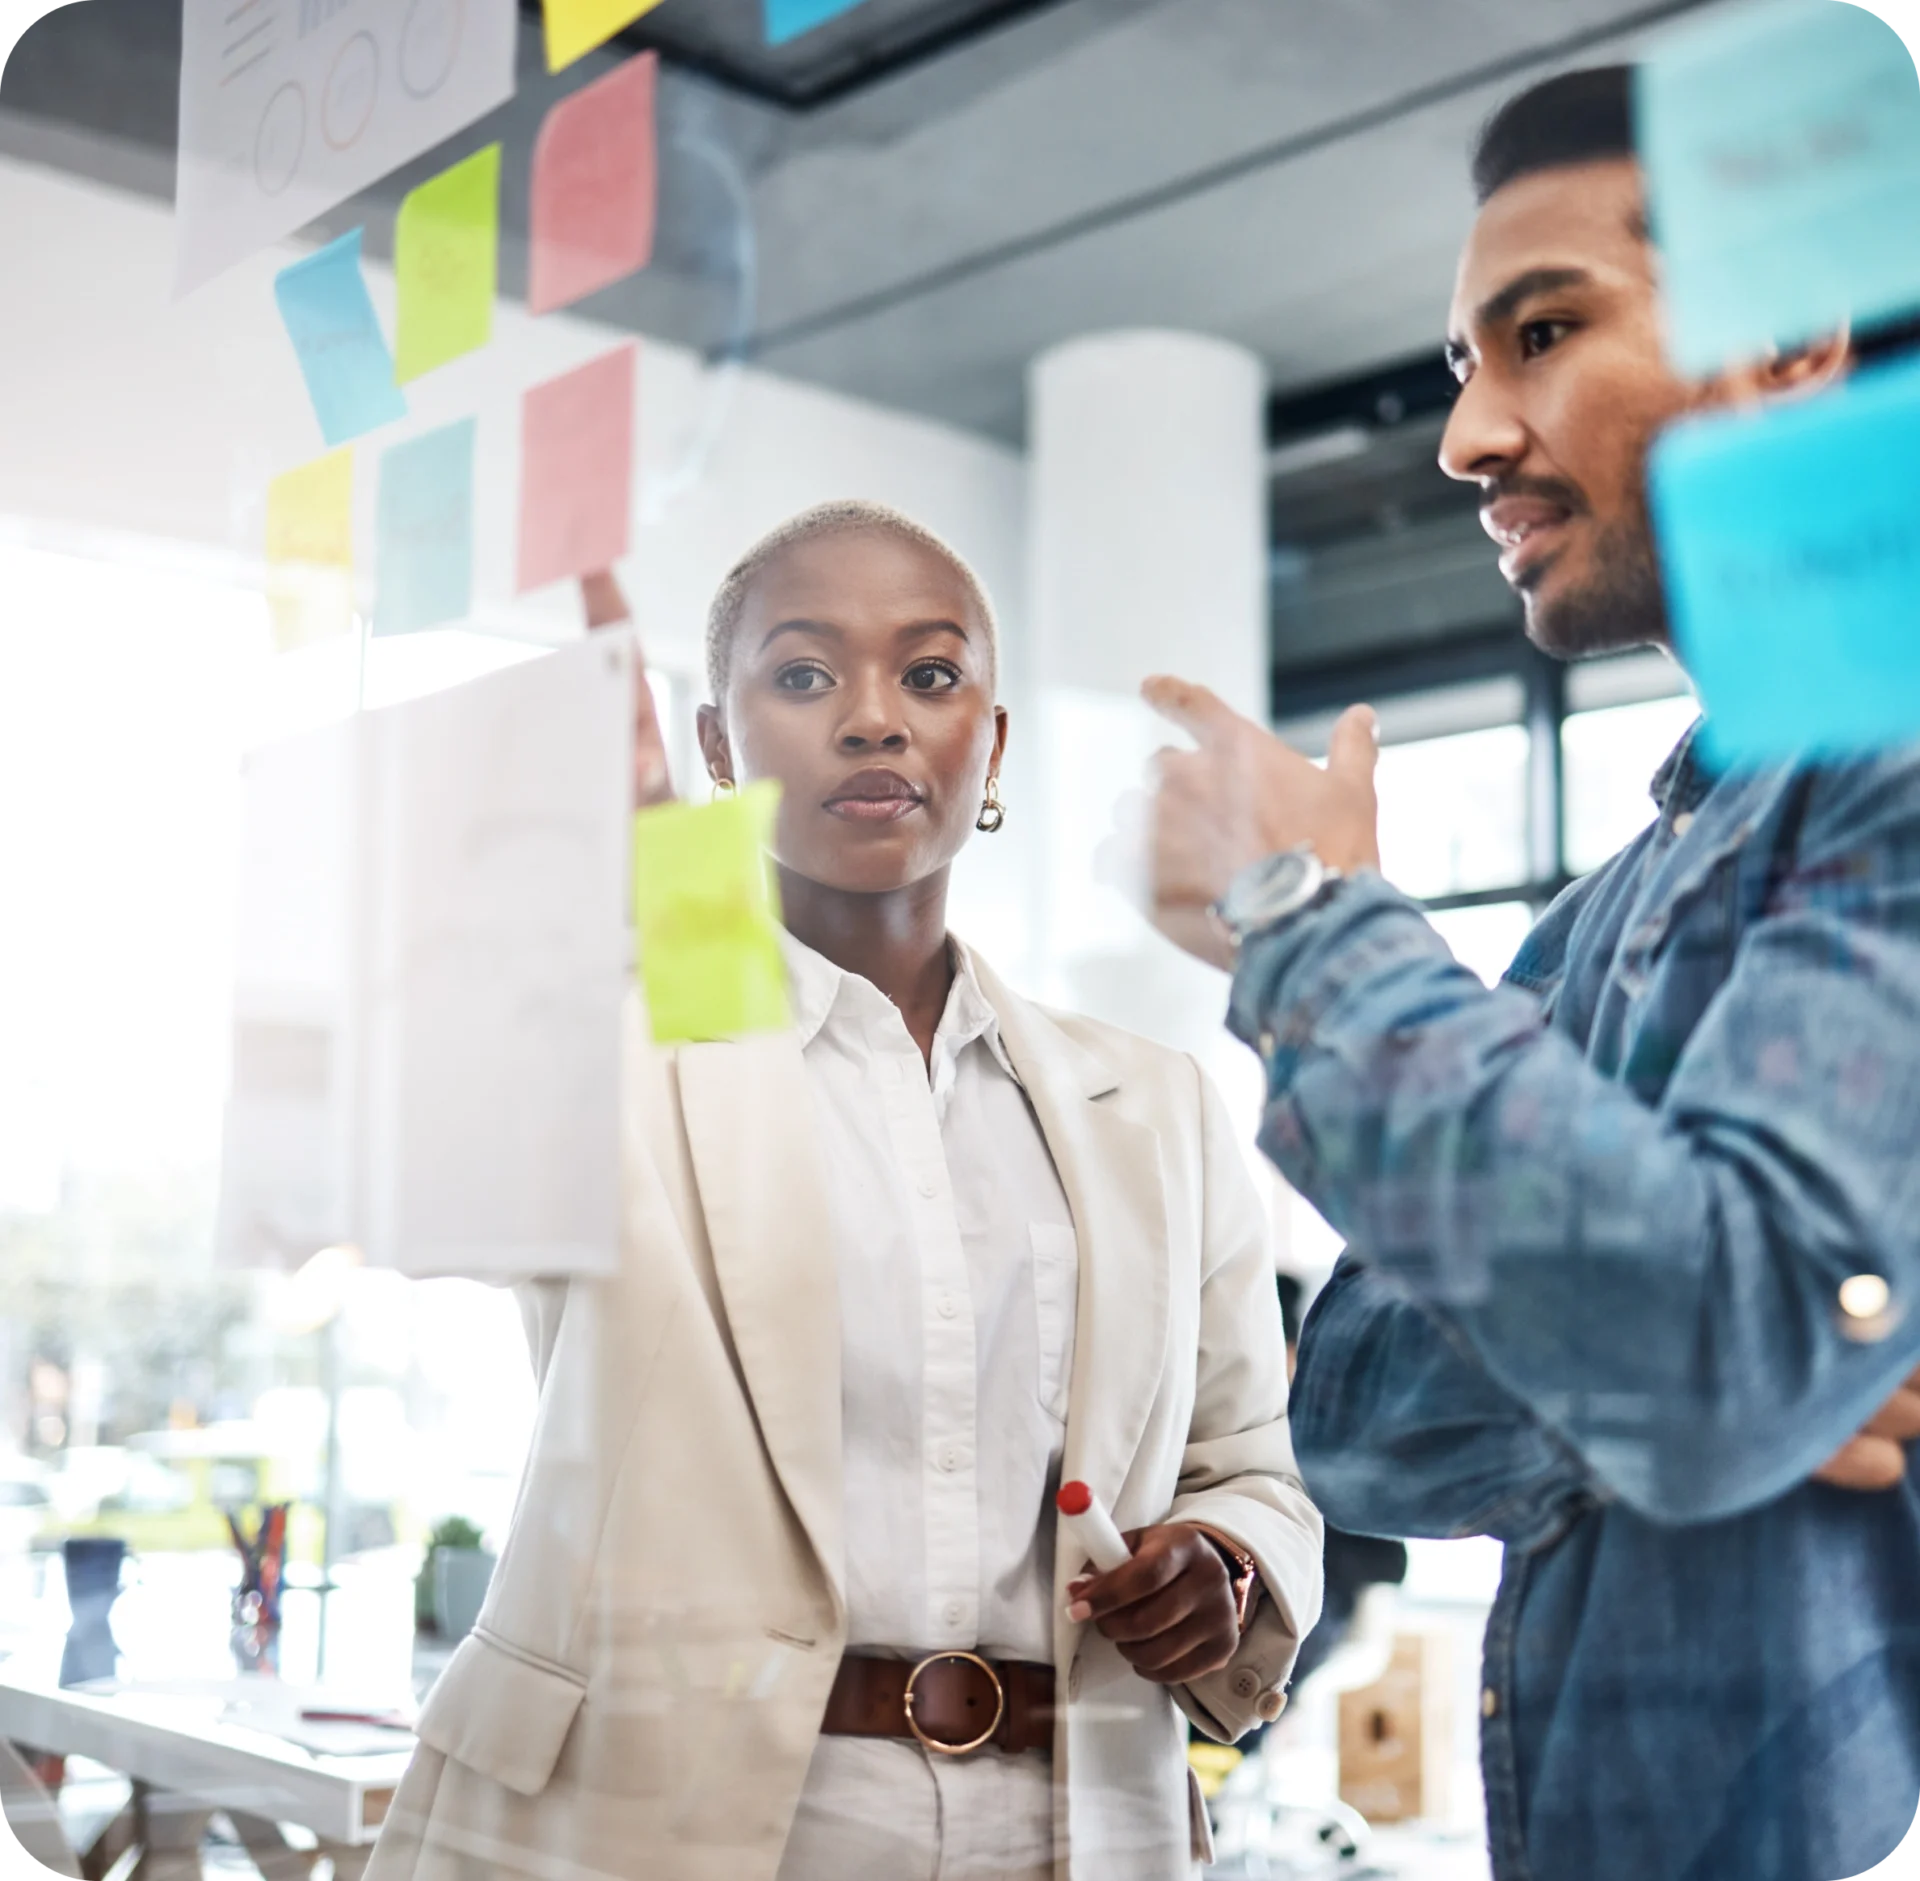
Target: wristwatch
<point>1267,892</point>
<point>1243,1572</point>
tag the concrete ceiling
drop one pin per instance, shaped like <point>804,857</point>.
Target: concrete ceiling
<point>1287,173</point>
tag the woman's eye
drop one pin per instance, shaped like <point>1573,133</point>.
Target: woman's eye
<point>803,678</point>
<point>933,676</point>
<point>1541,336</point>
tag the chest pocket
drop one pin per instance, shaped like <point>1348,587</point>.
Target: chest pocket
<point>1056,1298</point>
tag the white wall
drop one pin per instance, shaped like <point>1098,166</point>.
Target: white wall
<point>133,422</point>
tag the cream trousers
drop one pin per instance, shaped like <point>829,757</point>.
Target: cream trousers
<point>881,1809</point>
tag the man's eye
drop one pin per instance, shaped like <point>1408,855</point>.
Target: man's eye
<point>1541,336</point>
<point>803,677</point>
<point>932,676</point>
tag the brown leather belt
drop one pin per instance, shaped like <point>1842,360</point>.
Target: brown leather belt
<point>951,1702</point>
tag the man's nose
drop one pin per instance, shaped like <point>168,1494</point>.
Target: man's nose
<point>1484,436</point>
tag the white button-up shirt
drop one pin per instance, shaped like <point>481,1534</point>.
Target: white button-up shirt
<point>958,1286</point>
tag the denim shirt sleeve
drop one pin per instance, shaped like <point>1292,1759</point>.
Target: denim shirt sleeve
<point>1656,1281</point>
<point>1400,1430</point>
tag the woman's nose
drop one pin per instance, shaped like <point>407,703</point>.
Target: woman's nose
<point>873,720</point>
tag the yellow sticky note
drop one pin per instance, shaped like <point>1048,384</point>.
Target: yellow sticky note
<point>310,551</point>
<point>575,27</point>
<point>446,261</point>
<point>707,912</point>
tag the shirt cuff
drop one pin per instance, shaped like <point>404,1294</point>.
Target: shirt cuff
<point>1290,977</point>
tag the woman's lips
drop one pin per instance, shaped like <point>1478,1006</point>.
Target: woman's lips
<point>874,796</point>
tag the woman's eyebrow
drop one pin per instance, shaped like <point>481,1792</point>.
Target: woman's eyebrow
<point>926,629</point>
<point>817,629</point>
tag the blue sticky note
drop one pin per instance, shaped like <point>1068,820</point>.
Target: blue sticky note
<point>426,531</point>
<point>1790,546</point>
<point>334,330</point>
<point>788,19</point>
<point>1782,153</point>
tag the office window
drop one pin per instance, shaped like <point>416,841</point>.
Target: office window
<point>1623,718</point>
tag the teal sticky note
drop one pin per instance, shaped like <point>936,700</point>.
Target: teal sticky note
<point>788,19</point>
<point>336,335</point>
<point>1790,546</point>
<point>425,531</point>
<point>1782,153</point>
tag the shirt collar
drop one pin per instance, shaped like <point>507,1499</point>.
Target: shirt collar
<point>1683,778</point>
<point>815,986</point>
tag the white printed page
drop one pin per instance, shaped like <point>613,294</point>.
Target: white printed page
<point>288,107</point>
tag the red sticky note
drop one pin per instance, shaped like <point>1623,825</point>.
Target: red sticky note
<point>576,470</point>
<point>594,187</point>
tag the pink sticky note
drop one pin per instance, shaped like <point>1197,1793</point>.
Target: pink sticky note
<point>576,470</point>
<point>594,187</point>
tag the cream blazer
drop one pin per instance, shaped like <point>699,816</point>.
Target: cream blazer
<point>644,1689</point>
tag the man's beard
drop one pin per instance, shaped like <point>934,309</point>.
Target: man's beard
<point>1622,606</point>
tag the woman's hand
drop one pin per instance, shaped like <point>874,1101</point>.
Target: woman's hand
<point>607,607</point>
<point>1170,1610</point>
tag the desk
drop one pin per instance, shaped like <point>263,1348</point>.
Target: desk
<point>187,1759</point>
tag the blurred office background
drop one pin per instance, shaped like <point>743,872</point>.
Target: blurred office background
<point>1137,301</point>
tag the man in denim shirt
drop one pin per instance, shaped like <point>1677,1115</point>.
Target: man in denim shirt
<point>1634,1239</point>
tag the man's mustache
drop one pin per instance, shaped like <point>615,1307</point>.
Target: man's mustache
<point>1547,489</point>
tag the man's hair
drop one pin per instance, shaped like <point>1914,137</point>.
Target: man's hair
<point>1578,117</point>
<point>848,516</point>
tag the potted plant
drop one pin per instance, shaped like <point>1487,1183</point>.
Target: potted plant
<point>453,1579</point>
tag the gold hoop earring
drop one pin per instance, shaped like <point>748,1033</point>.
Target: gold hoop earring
<point>992,812</point>
<point>724,787</point>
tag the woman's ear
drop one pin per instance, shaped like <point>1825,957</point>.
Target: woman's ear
<point>999,739</point>
<point>713,744</point>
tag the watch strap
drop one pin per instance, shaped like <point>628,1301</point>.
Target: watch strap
<point>1243,1571</point>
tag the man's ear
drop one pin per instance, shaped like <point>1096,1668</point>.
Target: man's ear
<point>1794,372</point>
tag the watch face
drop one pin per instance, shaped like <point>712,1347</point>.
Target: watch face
<point>1271,888</point>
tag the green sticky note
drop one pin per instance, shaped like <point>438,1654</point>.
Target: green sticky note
<point>707,913</point>
<point>446,260</point>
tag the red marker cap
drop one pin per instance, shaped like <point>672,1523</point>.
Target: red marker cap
<point>1074,1499</point>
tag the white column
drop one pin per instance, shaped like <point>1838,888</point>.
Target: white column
<point>1147,550</point>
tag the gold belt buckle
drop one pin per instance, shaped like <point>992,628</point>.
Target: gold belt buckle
<point>999,1704</point>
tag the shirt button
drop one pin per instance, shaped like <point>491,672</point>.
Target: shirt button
<point>949,1460</point>
<point>1681,824</point>
<point>1267,1043</point>
<point>1271,1705</point>
<point>928,1190</point>
<point>1489,1703</point>
<point>954,1612</point>
<point>1246,1682</point>
<point>948,1306</point>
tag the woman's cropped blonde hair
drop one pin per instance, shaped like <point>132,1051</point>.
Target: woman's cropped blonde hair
<point>848,516</point>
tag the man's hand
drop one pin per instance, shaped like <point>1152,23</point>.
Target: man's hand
<point>607,607</point>
<point>1243,795</point>
<point>1877,1457</point>
<point>1170,1610</point>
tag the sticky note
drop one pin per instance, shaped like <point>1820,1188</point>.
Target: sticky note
<point>788,19</point>
<point>310,551</point>
<point>446,258</point>
<point>575,27</point>
<point>594,188</point>
<point>576,470</point>
<point>1782,152</point>
<point>1790,546</point>
<point>336,336</point>
<point>707,913</point>
<point>426,531</point>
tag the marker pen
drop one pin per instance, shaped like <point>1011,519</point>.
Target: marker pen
<point>1084,1516</point>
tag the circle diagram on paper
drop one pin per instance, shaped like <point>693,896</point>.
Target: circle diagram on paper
<point>429,45</point>
<point>281,140</point>
<point>353,89</point>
